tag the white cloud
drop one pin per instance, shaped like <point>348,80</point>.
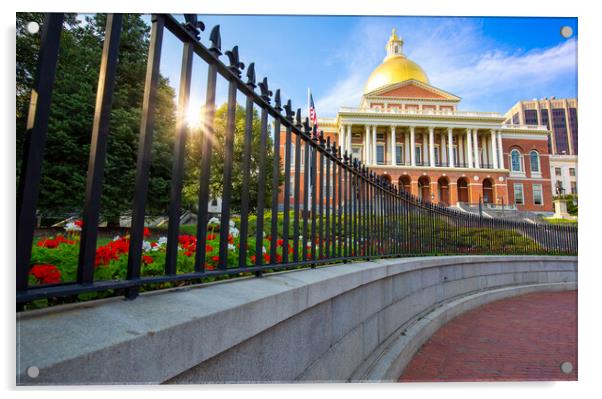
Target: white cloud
<point>456,56</point>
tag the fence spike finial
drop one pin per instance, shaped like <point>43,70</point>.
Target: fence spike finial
<point>193,25</point>
<point>216,41</point>
<point>251,75</point>
<point>235,65</point>
<point>298,118</point>
<point>266,93</point>
<point>288,109</point>
<point>277,105</point>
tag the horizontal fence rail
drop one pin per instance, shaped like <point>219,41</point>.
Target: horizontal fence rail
<point>334,208</point>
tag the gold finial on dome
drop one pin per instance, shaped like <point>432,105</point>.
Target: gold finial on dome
<point>395,67</point>
<point>394,46</point>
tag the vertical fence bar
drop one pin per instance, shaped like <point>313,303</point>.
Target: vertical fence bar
<point>287,180</point>
<point>314,192</point>
<point>144,152</point>
<point>171,255</point>
<point>306,188</point>
<point>246,170</point>
<point>275,180</point>
<point>297,194</point>
<point>321,202</point>
<point>263,139</point>
<point>224,226</point>
<point>98,149</point>
<point>35,141</point>
<point>206,140</point>
<point>327,200</point>
<point>333,210</point>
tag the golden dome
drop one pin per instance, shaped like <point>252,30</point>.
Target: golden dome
<point>395,67</point>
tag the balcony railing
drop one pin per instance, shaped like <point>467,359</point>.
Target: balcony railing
<point>423,112</point>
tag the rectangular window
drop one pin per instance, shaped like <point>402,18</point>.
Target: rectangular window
<point>531,117</point>
<point>515,119</point>
<point>558,171</point>
<point>380,154</point>
<point>456,154</point>
<point>399,154</point>
<point>437,155</point>
<point>356,152</point>
<point>574,128</point>
<point>560,130</point>
<point>537,194</point>
<point>571,171</point>
<point>418,152</point>
<point>573,187</point>
<point>519,197</point>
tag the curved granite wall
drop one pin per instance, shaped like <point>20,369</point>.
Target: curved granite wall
<point>351,322</point>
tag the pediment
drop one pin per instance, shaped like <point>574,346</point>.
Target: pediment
<point>412,89</point>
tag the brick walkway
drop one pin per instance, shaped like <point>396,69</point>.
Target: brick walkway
<point>525,338</point>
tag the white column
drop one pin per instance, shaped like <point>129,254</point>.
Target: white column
<point>374,144</point>
<point>413,145</point>
<point>469,147</point>
<point>366,145</point>
<point>450,147</point>
<point>460,149</point>
<point>475,139</point>
<point>444,153</point>
<point>493,149</point>
<point>342,138</point>
<point>348,137</point>
<point>406,139</point>
<point>393,146</point>
<point>500,149</point>
<point>425,151</point>
<point>432,146</point>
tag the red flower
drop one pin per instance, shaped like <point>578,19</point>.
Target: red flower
<point>215,258</point>
<point>154,244</point>
<point>46,274</point>
<point>147,259</point>
<point>53,243</point>
<point>208,248</point>
<point>230,239</point>
<point>266,258</point>
<point>146,232</point>
<point>280,242</point>
<point>111,251</point>
<point>188,253</point>
<point>253,259</point>
<point>78,223</point>
<point>210,236</point>
<point>209,267</point>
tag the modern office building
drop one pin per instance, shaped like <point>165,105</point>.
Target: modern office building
<point>560,118</point>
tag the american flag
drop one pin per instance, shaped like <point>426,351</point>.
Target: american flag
<point>313,118</point>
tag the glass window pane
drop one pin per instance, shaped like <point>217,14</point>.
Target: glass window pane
<point>534,161</point>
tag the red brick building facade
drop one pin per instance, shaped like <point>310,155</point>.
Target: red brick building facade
<point>412,133</point>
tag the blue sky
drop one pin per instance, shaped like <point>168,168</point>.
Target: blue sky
<point>490,63</point>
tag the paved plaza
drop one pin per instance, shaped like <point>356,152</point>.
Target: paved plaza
<point>525,338</point>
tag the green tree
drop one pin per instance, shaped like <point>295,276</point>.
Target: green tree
<point>72,111</point>
<point>191,187</point>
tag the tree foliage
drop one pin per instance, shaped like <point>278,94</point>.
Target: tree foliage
<point>217,161</point>
<point>72,111</point>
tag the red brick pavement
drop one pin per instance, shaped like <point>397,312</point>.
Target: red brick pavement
<point>525,338</point>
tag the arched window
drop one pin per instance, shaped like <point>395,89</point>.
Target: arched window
<point>534,161</point>
<point>516,164</point>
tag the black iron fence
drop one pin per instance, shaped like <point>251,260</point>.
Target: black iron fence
<point>335,209</point>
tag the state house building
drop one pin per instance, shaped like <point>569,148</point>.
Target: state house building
<point>412,133</point>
